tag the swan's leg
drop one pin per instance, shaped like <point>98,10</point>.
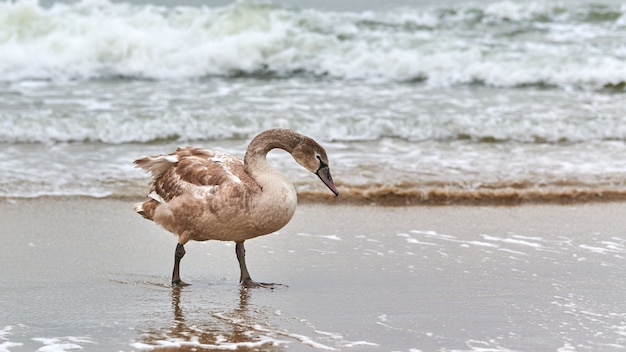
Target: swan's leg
<point>245,279</point>
<point>178,255</point>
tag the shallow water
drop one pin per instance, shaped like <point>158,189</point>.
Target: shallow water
<point>90,273</point>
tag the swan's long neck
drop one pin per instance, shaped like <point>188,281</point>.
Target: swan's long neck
<point>278,198</point>
<point>256,155</point>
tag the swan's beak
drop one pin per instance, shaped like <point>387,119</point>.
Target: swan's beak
<point>324,174</point>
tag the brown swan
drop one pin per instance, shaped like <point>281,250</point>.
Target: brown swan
<point>200,194</point>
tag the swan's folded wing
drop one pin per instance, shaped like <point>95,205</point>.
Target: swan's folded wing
<point>205,173</point>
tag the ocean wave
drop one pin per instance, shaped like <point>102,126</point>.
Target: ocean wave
<point>191,128</point>
<point>388,172</point>
<point>237,109</point>
<point>502,44</point>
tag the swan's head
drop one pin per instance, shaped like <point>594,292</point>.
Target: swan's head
<point>313,157</point>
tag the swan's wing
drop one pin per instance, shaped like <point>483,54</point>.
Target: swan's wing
<point>205,173</point>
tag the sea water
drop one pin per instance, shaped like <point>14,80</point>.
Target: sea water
<point>415,101</point>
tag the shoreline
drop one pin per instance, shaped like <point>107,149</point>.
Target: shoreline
<point>394,197</point>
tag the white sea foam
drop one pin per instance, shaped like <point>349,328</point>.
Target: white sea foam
<point>512,241</point>
<point>193,342</point>
<point>444,238</point>
<point>60,344</point>
<point>604,247</point>
<point>336,339</point>
<point>5,343</point>
<point>330,237</point>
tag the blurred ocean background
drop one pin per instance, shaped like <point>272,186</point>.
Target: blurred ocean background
<point>415,101</point>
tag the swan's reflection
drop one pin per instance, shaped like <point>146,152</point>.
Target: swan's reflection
<point>237,328</point>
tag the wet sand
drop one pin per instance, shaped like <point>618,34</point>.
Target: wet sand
<point>88,273</point>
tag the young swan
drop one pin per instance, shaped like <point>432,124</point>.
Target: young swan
<point>201,195</point>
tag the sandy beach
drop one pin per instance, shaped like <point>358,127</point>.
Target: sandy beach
<point>89,273</point>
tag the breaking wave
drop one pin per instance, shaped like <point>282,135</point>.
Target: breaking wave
<point>233,109</point>
<point>502,44</point>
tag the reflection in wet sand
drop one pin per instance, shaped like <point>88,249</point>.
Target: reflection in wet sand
<point>238,329</point>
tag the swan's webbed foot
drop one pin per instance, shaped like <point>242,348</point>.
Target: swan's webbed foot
<point>179,283</point>
<point>245,280</point>
<point>249,283</point>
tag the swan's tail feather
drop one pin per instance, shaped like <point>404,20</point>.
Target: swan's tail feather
<point>157,165</point>
<point>147,208</point>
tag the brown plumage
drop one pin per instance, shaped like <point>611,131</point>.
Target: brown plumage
<point>201,195</point>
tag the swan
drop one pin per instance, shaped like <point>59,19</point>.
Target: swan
<point>201,195</point>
